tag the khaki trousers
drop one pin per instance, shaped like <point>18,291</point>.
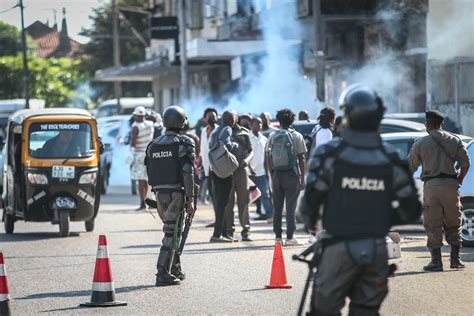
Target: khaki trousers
<point>442,214</point>
<point>239,186</point>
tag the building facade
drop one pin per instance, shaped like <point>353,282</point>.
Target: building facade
<point>451,61</point>
<point>325,45</point>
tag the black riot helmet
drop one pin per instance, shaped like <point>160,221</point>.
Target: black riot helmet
<point>363,108</point>
<point>174,117</point>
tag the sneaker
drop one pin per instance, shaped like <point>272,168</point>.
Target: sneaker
<point>312,239</point>
<point>219,240</point>
<point>270,220</point>
<point>261,217</point>
<point>279,240</point>
<point>246,238</point>
<point>231,238</point>
<point>292,242</point>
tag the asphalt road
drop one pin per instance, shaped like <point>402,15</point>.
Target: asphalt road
<point>49,274</point>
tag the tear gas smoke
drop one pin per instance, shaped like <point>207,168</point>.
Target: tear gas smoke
<point>276,80</point>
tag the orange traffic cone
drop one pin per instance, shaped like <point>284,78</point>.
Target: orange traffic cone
<point>278,278</point>
<point>103,292</point>
<point>4,294</point>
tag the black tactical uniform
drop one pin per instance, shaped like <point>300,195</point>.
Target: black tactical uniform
<point>170,168</point>
<point>364,188</point>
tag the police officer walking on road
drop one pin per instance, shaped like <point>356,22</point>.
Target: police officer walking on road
<point>170,168</point>
<point>437,153</point>
<point>363,188</point>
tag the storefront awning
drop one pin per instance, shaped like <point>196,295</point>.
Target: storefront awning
<point>201,53</point>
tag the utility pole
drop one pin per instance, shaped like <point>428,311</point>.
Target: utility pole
<point>183,52</point>
<point>319,50</point>
<point>116,46</point>
<point>26,93</point>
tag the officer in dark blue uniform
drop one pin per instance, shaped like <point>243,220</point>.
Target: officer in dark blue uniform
<point>363,188</point>
<point>170,168</point>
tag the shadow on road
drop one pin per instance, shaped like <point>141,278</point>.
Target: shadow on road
<point>254,290</point>
<point>400,274</point>
<point>188,244</point>
<point>19,237</point>
<point>231,249</point>
<point>124,289</point>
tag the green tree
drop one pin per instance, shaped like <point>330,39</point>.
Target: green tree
<point>10,40</point>
<point>99,49</point>
<point>54,80</point>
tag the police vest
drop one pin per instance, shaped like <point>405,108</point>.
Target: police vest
<point>163,164</point>
<point>359,202</point>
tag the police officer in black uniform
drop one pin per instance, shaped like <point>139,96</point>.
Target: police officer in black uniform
<point>170,169</point>
<point>363,188</point>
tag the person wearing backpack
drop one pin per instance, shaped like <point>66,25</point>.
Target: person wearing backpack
<point>285,153</point>
<point>223,164</point>
<point>240,184</point>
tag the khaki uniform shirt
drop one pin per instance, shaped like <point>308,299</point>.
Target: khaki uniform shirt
<point>435,161</point>
<point>241,136</point>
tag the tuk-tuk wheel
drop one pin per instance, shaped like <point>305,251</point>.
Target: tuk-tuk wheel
<point>89,225</point>
<point>64,223</point>
<point>9,222</point>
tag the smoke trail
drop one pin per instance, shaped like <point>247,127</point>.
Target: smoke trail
<point>386,73</point>
<point>276,80</point>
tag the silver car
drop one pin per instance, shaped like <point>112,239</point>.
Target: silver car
<point>404,141</point>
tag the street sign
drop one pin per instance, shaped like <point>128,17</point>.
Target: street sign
<point>164,27</point>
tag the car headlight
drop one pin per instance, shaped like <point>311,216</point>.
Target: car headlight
<point>37,178</point>
<point>88,178</point>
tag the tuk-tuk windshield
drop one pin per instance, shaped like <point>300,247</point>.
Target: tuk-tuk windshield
<point>60,140</point>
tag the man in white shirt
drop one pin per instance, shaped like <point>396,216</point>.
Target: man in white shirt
<point>322,133</point>
<point>142,135</point>
<point>259,168</point>
<point>210,118</point>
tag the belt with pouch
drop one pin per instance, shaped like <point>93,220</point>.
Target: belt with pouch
<point>440,176</point>
<point>362,251</point>
<point>168,190</point>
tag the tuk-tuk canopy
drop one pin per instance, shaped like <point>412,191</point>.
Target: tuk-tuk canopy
<point>19,116</point>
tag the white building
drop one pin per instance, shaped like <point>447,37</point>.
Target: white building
<point>451,60</point>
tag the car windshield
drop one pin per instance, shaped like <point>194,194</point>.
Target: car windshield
<point>60,140</point>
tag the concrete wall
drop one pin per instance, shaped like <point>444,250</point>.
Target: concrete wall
<point>451,60</point>
<point>450,29</point>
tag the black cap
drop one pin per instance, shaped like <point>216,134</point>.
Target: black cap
<point>434,115</point>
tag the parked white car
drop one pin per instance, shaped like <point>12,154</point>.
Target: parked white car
<point>109,128</point>
<point>404,141</point>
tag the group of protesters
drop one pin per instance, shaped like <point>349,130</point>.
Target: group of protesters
<point>256,141</point>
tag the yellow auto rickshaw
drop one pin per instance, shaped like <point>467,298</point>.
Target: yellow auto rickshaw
<point>51,168</point>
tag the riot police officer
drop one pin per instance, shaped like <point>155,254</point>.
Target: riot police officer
<point>170,169</point>
<point>363,188</point>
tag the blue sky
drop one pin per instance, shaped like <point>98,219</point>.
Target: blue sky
<point>77,13</point>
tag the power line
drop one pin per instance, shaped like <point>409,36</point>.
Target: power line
<point>4,11</point>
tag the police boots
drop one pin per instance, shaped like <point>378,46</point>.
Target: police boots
<point>436,264</point>
<point>163,277</point>
<point>176,269</point>
<point>456,262</point>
